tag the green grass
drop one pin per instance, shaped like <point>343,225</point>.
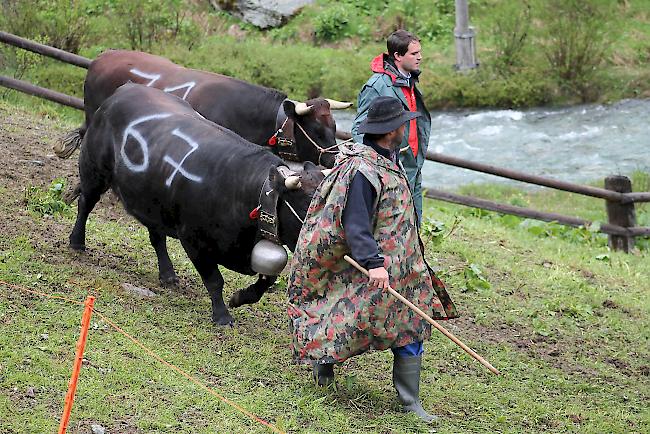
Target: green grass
<point>568,331</point>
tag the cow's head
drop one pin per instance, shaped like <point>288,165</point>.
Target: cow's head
<point>314,129</point>
<point>295,190</point>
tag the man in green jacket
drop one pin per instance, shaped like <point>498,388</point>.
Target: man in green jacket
<point>396,74</point>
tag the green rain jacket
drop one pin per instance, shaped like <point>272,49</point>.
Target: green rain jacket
<point>386,81</point>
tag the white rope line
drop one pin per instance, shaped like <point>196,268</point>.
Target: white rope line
<point>294,212</point>
<point>321,150</point>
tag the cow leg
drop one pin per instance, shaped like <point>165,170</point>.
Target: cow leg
<point>166,272</point>
<point>87,202</point>
<point>253,293</point>
<point>213,281</point>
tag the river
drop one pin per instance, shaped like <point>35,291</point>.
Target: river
<point>578,144</point>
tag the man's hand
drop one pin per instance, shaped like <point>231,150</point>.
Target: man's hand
<point>378,278</point>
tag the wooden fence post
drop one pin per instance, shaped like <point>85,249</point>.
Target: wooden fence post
<point>620,214</point>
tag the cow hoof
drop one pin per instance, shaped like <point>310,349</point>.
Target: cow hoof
<point>235,300</point>
<point>224,320</point>
<point>77,247</point>
<point>242,297</point>
<point>170,282</point>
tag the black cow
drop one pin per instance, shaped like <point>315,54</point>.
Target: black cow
<point>183,176</point>
<point>254,112</point>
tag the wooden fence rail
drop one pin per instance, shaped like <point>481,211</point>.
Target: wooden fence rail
<point>475,202</point>
<point>585,190</point>
<point>32,89</point>
<point>45,50</point>
<point>619,199</point>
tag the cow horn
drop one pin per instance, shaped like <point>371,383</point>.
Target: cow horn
<point>326,171</point>
<point>338,105</point>
<point>303,109</point>
<point>292,182</point>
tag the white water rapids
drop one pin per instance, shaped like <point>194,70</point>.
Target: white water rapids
<point>578,144</point>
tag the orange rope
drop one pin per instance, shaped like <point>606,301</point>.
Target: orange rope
<point>155,356</point>
<point>188,376</point>
<point>59,297</point>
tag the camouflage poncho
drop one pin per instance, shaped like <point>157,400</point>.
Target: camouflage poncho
<point>333,314</point>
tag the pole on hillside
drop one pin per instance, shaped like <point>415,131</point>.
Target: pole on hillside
<point>621,214</point>
<point>464,34</point>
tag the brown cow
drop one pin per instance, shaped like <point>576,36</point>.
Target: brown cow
<point>294,131</point>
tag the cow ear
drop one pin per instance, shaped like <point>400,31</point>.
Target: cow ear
<point>308,165</point>
<point>289,108</point>
<point>276,178</point>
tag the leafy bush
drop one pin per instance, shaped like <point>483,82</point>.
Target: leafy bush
<point>426,22</point>
<point>63,24</point>
<point>331,24</point>
<point>576,43</point>
<point>433,230</point>
<point>148,22</point>
<point>510,32</point>
<point>474,278</point>
<point>588,235</point>
<point>46,202</point>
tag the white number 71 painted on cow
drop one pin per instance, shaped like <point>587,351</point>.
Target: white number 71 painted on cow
<point>154,77</point>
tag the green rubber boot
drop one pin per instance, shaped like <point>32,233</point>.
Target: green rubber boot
<point>406,379</point>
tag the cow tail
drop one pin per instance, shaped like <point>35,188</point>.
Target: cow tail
<point>70,142</point>
<point>72,193</point>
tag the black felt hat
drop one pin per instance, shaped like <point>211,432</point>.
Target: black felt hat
<point>385,114</point>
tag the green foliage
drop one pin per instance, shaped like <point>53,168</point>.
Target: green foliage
<point>331,24</point>
<point>433,230</point>
<point>474,278</point>
<point>485,87</point>
<point>149,22</point>
<point>63,24</point>
<point>510,33</point>
<point>531,53</point>
<point>301,72</point>
<point>588,235</point>
<point>26,60</point>
<point>48,202</point>
<point>426,22</point>
<point>577,42</point>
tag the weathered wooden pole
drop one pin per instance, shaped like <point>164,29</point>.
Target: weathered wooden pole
<point>45,50</point>
<point>621,214</point>
<point>464,34</point>
<point>32,89</point>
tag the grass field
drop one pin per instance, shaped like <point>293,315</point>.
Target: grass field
<point>565,320</point>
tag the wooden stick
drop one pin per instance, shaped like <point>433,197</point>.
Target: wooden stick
<point>430,320</point>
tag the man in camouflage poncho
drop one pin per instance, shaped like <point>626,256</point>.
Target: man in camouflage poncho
<point>365,208</point>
